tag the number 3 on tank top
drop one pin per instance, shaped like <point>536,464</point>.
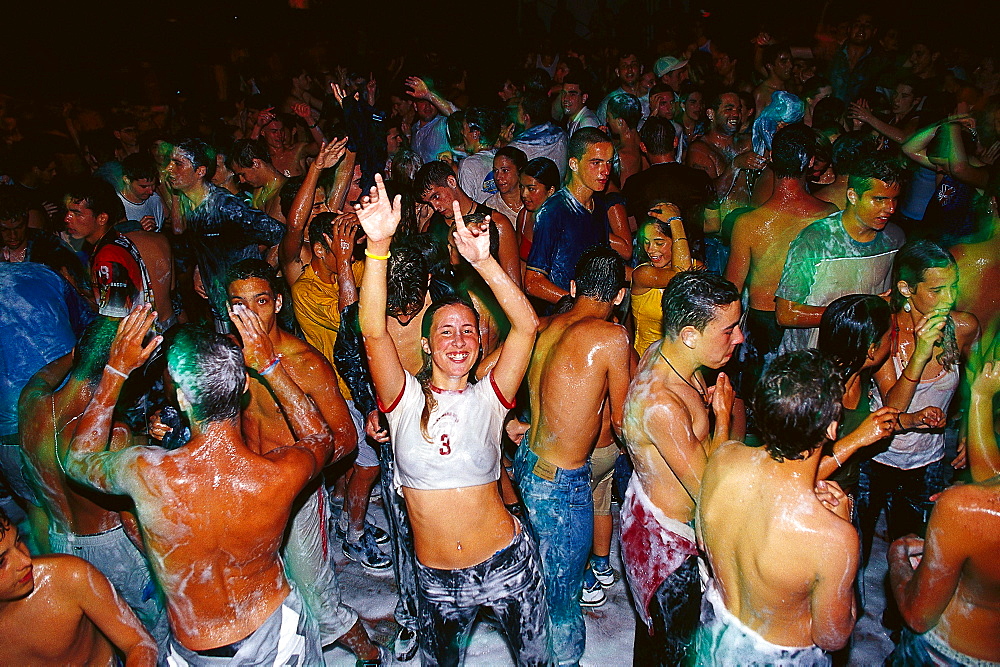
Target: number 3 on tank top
<point>445,445</point>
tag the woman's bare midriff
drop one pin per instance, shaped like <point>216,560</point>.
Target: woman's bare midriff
<point>458,528</point>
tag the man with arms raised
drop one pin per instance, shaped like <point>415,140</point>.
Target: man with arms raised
<point>59,610</point>
<point>580,361</point>
<point>213,512</point>
<point>781,547</point>
<point>82,522</point>
<point>254,284</point>
<point>760,242</point>
<point>848,252</point>
<point>950,598</point>
<point>669,436</point>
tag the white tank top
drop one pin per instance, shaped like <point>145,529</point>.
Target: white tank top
<point>914,449</point>
<point>465,426</point>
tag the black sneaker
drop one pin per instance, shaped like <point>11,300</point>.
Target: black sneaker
<point>367,553</point>
<point>381,537</point>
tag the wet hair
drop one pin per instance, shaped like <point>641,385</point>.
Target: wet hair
<point>537,108</point>
<point>93,349</point>
<point>693,298</point>
<point>812,87</point>
<point>792,149</point>
<point>772,52</point>
<point>909,266</point>
<point>432,174</point>
<point>13,203</point>
<point>582,79</point>
<point>848,149</point>
<point>600,273</point>
<point>406,278</point>
<point>515,155</point>
<point>200,154</point>
<point>98,195</point>
<point>209,370</point>
<point>714,99</point>
<point>245,151</point>
<point>424,376</point>
<point>829,111</point>
<point>140,167</point>
<point>796,400</point>
<point>583,139</point>
<point>536,82</point>
<point>659,88</point>
<point>543,170</point>
<point>875,168</point>
<point>626,107</point>
<point>486,121</point>
<point>658,135</point>
<point>849,327</point>
<point>254,268</point>
<point>321,224</point>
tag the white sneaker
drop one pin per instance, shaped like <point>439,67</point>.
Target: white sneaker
<point>593,597</point>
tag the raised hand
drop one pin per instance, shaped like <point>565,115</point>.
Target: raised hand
<point>721,395</point>
<point>345,227</point>
<point>330,153</point>
<point>258,351</point>
<point>372,88</point>
<point>878,425</point>
<point>987,383</point>
<point>303,111</point>
<point>127,351</point>
<point>418,87</point>
<point>927,333</point>
<point>860,111</point>
<point>338,93</point>
<point>378,215</point>
<point>664,212</point>
<point>265,117</point>
<point>472,241</point>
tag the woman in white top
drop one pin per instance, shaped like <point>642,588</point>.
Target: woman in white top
<point>446,438</point>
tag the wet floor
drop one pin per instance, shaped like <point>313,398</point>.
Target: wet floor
<point>610,628</point>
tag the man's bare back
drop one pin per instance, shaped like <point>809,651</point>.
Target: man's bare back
<point>154,248</point>
<point>760,244</point>
<point>777,553</point>
<point>578,358</point>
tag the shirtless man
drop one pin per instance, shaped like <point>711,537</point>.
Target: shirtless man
<point>948,585</point>
<point>60,610</point>
<point>669,436</point>
<point>253,283</point>
<point>720,153</point>
<point>760,243</point>
<point>580,361</point>
<point>781,547</point>
<point>212,512</point>
<point>253,168</point>
<point>156,253</point>
<point>82,522</point>
<point>778,65</point>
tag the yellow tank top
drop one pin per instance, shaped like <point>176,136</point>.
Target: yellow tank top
<point>647,313</point>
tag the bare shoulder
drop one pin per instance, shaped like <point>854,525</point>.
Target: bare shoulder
<point>69,573</point>
<point>966,327</point>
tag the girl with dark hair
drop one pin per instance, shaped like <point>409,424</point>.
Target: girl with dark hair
<point>927,341</point>
<point>854,333</point>
<point>664,251</point>
<point>471,552</point>
<point>539,180</point>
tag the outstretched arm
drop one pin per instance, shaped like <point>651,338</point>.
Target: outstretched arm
<point>290,250</point>
<point>379,217</point>
<point>418,88</point>
<point>984,455</point>
<point>88,460</point>
<point>474,245</point>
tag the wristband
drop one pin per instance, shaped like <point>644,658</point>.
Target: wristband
<point>313,126</point>
<point>676,217</point>
<point>117,372</point>
<point>839,464</point>
<point>384,257</point>
<point>904,375</point>
<point>270,367</point>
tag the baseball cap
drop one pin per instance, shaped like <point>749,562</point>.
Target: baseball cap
<point>667,64</point>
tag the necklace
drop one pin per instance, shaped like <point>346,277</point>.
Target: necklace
<point>702,392</point>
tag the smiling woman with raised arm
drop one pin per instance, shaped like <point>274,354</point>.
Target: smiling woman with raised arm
<point>471,552</point>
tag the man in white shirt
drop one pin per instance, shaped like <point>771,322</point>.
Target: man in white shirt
<point>138,192</point>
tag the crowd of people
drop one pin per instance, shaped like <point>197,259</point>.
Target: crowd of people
<point>736,290</point>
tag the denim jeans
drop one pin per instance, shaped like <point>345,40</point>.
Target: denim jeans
<point>509,584</point>
<point>402,544</point>
<point>560,514</point>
